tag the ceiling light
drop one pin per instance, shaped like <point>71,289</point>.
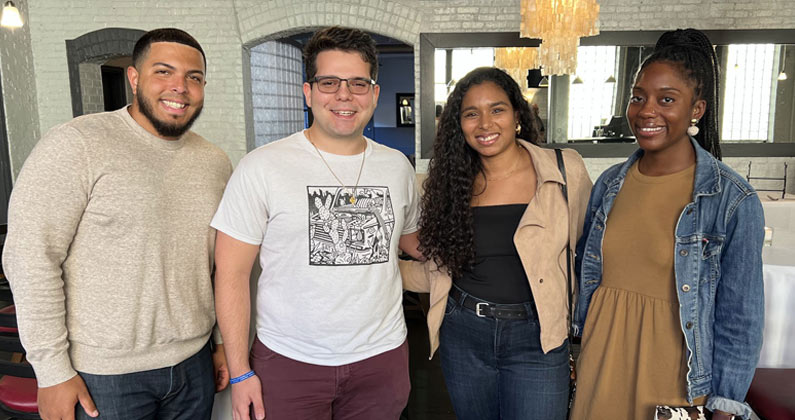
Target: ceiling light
<point>559,25</point>
<point>11,18</point>
<point>544,82</point>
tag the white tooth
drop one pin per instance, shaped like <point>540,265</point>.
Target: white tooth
<point>174,104</point>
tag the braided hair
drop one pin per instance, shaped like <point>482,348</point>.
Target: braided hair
<point>692,52</point>
<point>446,231</point>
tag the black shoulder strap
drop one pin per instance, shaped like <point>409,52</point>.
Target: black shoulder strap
<point>564,189</point>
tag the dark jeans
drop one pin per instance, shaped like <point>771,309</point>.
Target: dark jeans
<point>184,391</point>
<point>495,368</point>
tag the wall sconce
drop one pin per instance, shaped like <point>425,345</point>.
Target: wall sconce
<point>11,17</point>
<point>405,110</point>
<point>783,76</point>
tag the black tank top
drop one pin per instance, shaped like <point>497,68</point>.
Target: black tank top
<point>497,275</point>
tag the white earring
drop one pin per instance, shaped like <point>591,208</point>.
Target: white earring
<point>693,129</point>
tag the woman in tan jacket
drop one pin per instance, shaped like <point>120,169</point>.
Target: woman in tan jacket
<point>494,229</point>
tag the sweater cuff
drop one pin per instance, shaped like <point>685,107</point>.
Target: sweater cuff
<point>53,371</point>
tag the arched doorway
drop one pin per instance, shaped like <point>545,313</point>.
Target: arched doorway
<point>86,55</point>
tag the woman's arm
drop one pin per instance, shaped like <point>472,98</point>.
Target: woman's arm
<point>416,275</point>
<point>739,309</point>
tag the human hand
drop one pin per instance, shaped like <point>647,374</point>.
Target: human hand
<point>721,415</point>
<point>58,402</point>
<point>244,395</point>
<point>220,368</point>
<point>572,369</point>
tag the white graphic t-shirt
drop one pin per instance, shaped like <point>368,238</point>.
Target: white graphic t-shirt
<point>330,290</point>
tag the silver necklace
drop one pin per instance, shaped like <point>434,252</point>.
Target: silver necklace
<point>352,200</point>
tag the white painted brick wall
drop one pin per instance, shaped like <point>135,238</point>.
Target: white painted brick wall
<point>19,92</point>
<point>91,87</point>
<point>212,22</point>
<point>225,26</point>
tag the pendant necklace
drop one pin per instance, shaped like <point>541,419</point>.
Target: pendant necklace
<point>516,166</point>
<point>352,200</point>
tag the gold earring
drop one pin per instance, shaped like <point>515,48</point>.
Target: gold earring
<point>518,128</point>
<point>693,129</point>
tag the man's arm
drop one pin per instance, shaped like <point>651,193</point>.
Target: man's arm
<point>46,207</point>
<point>234,260</point>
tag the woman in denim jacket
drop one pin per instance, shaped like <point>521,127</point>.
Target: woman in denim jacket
<point>670,302</point>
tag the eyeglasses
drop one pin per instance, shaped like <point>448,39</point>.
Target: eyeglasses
<point>331,84</point>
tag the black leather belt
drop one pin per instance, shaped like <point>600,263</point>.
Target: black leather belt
<point>485,309</point>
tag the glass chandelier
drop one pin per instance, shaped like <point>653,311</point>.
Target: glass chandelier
<point>559,24</point>
<point>515,61</point>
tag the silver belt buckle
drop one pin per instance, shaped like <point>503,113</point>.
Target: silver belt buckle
<point>478,308</point>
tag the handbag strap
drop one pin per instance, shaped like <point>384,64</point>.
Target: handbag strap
<point>564,189</point>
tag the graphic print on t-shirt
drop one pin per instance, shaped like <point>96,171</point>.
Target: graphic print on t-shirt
<point>345,233</point>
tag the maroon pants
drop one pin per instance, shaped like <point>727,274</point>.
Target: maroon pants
<point>374,388</point>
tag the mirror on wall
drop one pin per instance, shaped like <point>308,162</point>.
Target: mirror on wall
<point>586,110</point>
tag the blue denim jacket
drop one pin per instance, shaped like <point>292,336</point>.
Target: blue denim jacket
<point>718,269</point>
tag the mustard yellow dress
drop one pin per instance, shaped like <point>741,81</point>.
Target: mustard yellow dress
<point>633,351</point>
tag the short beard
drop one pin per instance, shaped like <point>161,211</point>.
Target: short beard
<point>163,128</point>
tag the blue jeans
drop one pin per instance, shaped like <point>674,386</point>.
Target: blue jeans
<point>495,368</point>
<point>183,391</point>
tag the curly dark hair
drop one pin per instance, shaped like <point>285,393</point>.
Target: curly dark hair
<point>343,39</point>
<point>691,51</point>
<point>446,232</point>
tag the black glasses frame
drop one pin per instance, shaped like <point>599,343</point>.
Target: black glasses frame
<point>339,80</point>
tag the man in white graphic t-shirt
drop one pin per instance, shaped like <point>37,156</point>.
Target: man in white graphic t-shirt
<point>326,210</point>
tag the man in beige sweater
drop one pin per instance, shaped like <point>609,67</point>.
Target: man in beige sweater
<point>109,250</point>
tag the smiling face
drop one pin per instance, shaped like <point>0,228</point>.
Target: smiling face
<point>488,119</point>
<point>168,89</point>
<point>661,108</point>
<point>341,115</point>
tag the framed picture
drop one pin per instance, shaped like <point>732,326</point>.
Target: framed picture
<point>404,107</point>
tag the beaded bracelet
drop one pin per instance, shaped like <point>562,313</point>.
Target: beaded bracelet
<point>242,377</point>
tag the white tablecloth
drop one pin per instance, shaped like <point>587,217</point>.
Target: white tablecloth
<point>778,348</point>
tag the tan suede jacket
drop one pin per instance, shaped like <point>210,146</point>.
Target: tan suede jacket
<point>540,239</point>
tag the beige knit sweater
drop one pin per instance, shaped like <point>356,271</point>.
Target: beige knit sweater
<point>109,249</point>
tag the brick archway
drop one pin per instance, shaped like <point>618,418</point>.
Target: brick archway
<point>388,18</point>
<point>96,46</point>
